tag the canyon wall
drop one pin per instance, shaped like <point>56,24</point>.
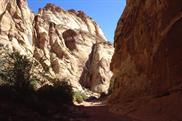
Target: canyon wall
<point>16,26</point>
<point>147,62</point>
<point>96,74</point>
<point>62,41</point>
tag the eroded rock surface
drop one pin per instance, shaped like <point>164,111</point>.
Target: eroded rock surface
<point>147,64</point>
<point>16,25</point>
<point>96,74</point>
<point>60,40</point>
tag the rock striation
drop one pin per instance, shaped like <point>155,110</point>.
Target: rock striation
<point>16,25</point>
<point>96,74</point>
<point>146,63</point>
<point>61,41</point>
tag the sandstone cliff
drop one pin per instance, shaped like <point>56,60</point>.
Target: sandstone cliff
<point>147,64</point>
<point>16,25</point>
<point>60,40</point>
<point>96,74</point>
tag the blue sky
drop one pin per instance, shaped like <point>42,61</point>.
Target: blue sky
<point>105,12</point>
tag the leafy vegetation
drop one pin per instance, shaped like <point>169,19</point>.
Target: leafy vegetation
<point>63,90</point>
<point>17,71</point>
<point>79,96</point>
<point>18,93</point>
<point>19,75</point>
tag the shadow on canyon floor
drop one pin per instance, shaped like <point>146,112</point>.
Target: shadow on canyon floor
<point>38,106</point>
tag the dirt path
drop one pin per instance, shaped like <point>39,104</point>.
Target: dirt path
<point>17,108</point>
<point>98,111</point>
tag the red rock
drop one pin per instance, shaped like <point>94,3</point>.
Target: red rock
<point>147,60</point>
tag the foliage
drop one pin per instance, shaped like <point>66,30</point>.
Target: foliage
<point>63,90</point>
<point>17,71</point>
<point>60,91</point>
<point>79,97</point>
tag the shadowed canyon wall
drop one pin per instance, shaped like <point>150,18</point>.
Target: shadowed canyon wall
<point>147,62</point>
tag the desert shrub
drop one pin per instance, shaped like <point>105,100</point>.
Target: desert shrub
<point>79,97</point>
<point>17,71</point>
<point>85,97</point>
<point>34,82</point>
<point>60,91</point>
<point>63,90</point>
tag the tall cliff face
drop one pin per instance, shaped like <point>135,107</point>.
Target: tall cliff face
<point>96,74</point>
<point>16,25</point>
<point>60,40</point>
<point>146,63</point>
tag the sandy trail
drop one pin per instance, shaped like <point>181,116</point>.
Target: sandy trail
<point>99,111</point>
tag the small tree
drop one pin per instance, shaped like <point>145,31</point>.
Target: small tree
<point>17,71</point>
<point>63,90</point>
<point>60,91</point>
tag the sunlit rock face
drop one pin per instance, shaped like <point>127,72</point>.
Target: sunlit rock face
<point>96,74</point>
<point>146,63</point>
<point>16,25</point>
<point>66,39</point>
<point>60,40</point>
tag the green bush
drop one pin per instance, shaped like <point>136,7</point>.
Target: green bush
<point>63,90</point>
<point>19,74</point>
<point>59,92</point>
<point>17,71</point>
<point>33,83</point>
<point>79,97</point>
